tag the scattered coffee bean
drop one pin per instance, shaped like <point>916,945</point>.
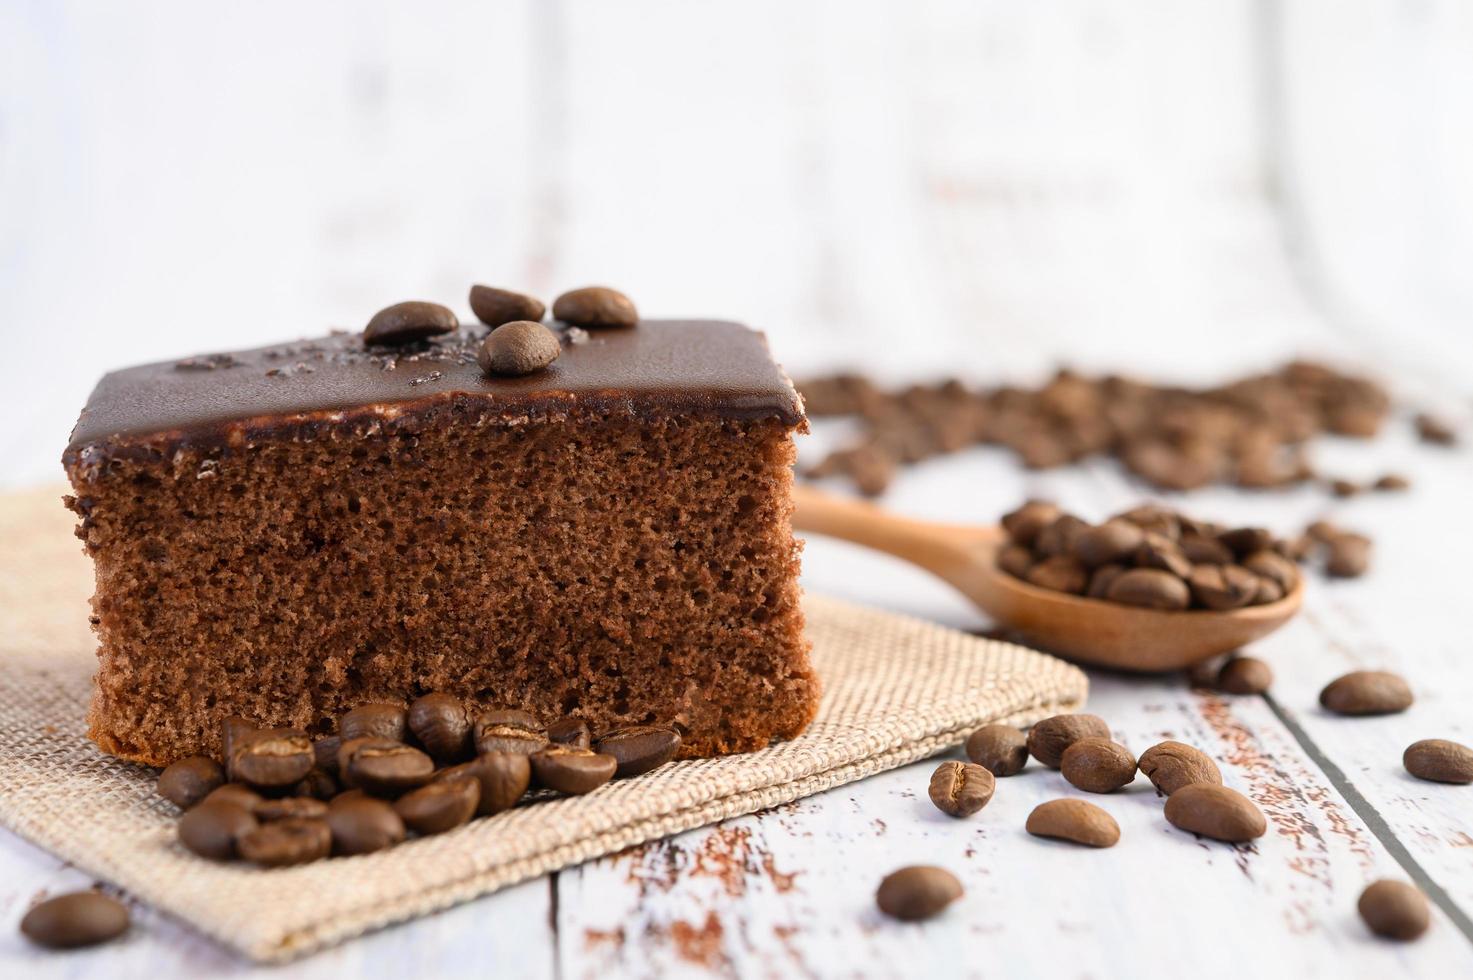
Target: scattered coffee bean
<point>517,348</point>
<point>1048,739</point>
<point>325,753</point>
<point>595,306</point>
<point>1097,765</point>
<point>1394,909</point>
<point>75,920</point>
<point>290,808</point>
<point>285,842</point>
<point>508,731</point>
<point>1215,811</point>
<point>1061,573</point>
<point>1435,431</point>
<point>1245,675</point>
<point>442,724</point>
<point>1150,588</point>
<point>188,781</point>
<point>382,767</point>
<point>1439,760</point>
<point>917,892</point>
<point>1223,587</point>
<point>1367,692</point>
<point>1392,483</point>
<point>236,793</point>
<point>494,307</point>
<point>1024,524</point>
<point>1000,749</point>
<point>409,321</point>
<point>363,825</point>
<point>1074,820</point>
<point>565,769</point>
<point>960,789</point>
<point>439,806</point>
<point>272,759</point>
<point>1113,541</point>
<point>572,732</point>
<point>317,784</point>
<point>1349,556</point>
<point>1171,765</point>
<point>640,748</point>
<point>212,829</point>
<point>374,721</point>
<point>1203,673</point>
<point>1344,488</point>
<point>503,777</point>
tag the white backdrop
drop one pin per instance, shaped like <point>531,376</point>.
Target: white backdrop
<point>1187,188</point>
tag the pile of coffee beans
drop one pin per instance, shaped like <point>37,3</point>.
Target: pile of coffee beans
<point>1149,556</point>
<point>1250,433</point>
<point>281,798</point>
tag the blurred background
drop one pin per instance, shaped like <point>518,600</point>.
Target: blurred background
<point>1181,190</point>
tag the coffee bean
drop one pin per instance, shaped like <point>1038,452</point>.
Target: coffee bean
<point>917,892</point>
<point>1300,548</point>
<point>290,808</point>
<point>235,731</point>
<point>440,806</point>
<point>1203,674</point>
<point>1171,765</point>
<point>565,769</point>
<point>325,753</point>
<point>1159,552</point>
<point>274,758</point>
<point>1097,765</point>
<point>348,795</point>
<point>1244,541</point>
<point>1048,739</point>
<point>595,306</point>
<point>236,793</point>
<point>1015,560</point>
<point>1058,539</point>
<point>1061,573</point>
<point>508,731</point>
<point>1323,531</point>
<point>1439,760</point>
<point>1344,488</point>
<point>1268,591</point>
<point>1077,821</point>
<point>640,748</point>
<point>363,825</point>
<point>75,920</point>
<point>494,307</point>
<point>409,321</point>
<point>1101,580</point>
<point>1435,431</point>
<point>572,732</point>
<point>1349,556</point>
<point>1392,483</point>
<point>1275,567</point>
<point>1113,541</point>
<point>960,789</point>
<point>1154,519</point>
<point>1215,811</point>
<point>503,777</point>
<point>1150,588</point>
<point>190,780</point>
<point>1223,587</point>
<point>1000,749</point>
<point>317,784</point>
<point>1394,909</point>
<point>1367,692</point>
<point>212,828</point>
<point>442,724</point>
<point>517,348</point>
<point>1202,550</point>
<point>1245,675</point>
<point>374,721</point>
<point>1024,523</point>
<point>285,842</point>
<point>382,767</point>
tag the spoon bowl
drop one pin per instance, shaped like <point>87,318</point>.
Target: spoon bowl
<point>1090,631</point>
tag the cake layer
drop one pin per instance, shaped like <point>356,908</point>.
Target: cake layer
<point>705,366</point>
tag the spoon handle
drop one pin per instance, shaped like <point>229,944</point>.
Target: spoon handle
<point>943,549</point>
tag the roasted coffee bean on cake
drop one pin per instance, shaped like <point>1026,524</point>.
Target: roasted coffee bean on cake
<point>289,532</point>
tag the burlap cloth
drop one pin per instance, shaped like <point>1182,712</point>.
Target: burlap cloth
<point>896,690</point>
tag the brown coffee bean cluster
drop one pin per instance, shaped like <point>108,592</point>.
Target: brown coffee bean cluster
<point>281,798</point>
<point>1149,556</point>
<point>518,344</point>
<point>1251,432</point>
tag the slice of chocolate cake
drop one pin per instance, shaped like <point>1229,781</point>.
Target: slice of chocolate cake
<point>288,532</point>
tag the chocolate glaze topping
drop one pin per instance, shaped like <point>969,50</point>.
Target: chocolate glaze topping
<point>707,367</point>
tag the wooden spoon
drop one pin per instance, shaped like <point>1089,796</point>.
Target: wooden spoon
<point>1092,631</point>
